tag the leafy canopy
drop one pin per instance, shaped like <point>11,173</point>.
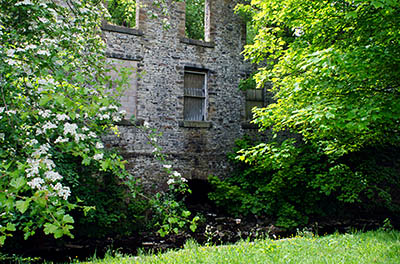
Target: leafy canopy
<point>335,69</point>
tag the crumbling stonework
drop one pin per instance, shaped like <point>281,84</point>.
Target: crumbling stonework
<point>195,148</point>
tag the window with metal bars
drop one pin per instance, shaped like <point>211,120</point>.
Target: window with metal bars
<point>195,96</point>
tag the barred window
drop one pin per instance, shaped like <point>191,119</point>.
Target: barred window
<point>195,95</point>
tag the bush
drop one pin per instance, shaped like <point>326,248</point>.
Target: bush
<point>293,182</point>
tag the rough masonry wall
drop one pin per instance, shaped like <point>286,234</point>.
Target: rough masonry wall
<point>162,56</point>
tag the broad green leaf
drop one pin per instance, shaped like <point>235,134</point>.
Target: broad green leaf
<point>11,227</point>
<point>68,219</point>
<point>22,206</point>
<point>50,228</point>
<point>17,183</point>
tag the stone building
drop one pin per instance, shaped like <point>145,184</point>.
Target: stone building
<point>184,88</point>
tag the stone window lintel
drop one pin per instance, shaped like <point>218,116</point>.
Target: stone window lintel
<point>120,29</point>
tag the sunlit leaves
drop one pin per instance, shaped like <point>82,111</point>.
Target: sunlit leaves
<point>333,69</point>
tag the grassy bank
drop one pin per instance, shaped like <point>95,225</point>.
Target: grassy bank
<point>369,247</point>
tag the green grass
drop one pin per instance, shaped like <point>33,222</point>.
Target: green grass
<point>369,247</point>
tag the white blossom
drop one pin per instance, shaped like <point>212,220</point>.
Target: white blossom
<point>33,168</point>
<point>65,192</point>
<point>32,142</point>
<point>11,112</point>
<point>11,62</point>
<point>116,118</point>
<point>167,166</point>
<point>45,113</point>
<point>42,81</point>
<point>49,125</point>
<point>25,2</point>
<point>170,181</point>
<point>146,124</point>
<point>298,32</point>
<point>62,117</point>
<point>99,145</point>
<point>10,52</point>
<point>62,191</point>
<point>31,46</point>
<point>43,149</point>
<point>61,140</point>
<point>36,183</point>
<point>52,176</point>
<point>49,164</point>
<point>39,131</point>
<point>104,117</point>
<point>176,174</point>
<point>43,52</point>
<point>70,129</point>
<point>43,19</point>
<point>98,156</point>
<point>78,137</point>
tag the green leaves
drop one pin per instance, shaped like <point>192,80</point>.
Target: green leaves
<point>335,79</point>
<point>329,78</point>
<point>22,206</point>
<point>54,105</point>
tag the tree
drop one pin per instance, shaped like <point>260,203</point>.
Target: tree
<point>334,66</point>
<point>195,19</point>
<point>54,104</point>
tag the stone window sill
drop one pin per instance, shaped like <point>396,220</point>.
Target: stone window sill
<point>195,124</point>
<point>125,30</point>
<point>197,42</point>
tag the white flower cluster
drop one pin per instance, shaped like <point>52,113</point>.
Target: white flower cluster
<point>70,129</point>
<point>25,2</point>
<point>61,140</point>
<point>44,113</point>
<point>62,117</point>
<point>62,191</point>
<point>98,156</point>
<point>176,177</point>
<point>41,169</point>
<point>48,125</point>
<point>116,116</point>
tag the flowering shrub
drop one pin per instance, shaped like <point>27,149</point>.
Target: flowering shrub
<point>169,207</point>
<point>52,102</point>
<point>54,108</point>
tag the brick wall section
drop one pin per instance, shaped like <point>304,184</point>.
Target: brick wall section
<point>162,56</point>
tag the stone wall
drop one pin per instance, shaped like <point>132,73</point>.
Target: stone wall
<point>196,149</point>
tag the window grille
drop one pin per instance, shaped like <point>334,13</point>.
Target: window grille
<point>195,93</point>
